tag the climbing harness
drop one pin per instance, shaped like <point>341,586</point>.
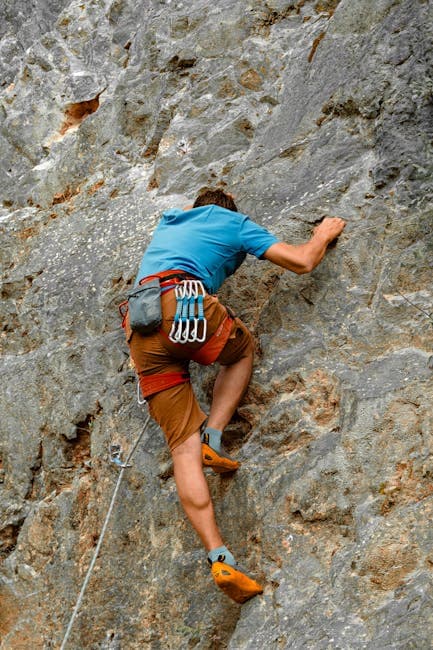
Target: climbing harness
<point>189,324</point>
<point>115,457</point>
<point>206,354</point>
<point>189,327</point>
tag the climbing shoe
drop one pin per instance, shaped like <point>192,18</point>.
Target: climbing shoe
<point>234,583</point>
<point>219,461</point>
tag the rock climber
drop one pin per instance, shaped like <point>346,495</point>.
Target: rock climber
<point>207,242</point>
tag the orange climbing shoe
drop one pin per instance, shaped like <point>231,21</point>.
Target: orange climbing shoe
<point>235,584</point>
<point>219,462</point>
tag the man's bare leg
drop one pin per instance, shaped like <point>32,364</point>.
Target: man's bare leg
<point>195,498</point>
<point>194,492</point>
<point>230,386</point>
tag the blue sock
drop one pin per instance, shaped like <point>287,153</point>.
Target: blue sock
<point>221,554</point>
<point>212,437</point>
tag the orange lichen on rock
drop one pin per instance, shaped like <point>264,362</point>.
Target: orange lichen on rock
<point>96,186</point>
<point>406,486</point>
<point>326,6</point>
<point>251,80</point>
<point>66,195</point>
<point>76,113</point>
<point>387,564</point>
<point>10,610</point>
<point>315,46</point>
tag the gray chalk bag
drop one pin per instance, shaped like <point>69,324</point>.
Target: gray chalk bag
<point>144,304</point>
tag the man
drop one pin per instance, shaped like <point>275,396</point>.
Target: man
<point>207,242</point>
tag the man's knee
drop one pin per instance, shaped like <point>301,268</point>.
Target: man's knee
<point>246,358</point>
<point>238,348</point>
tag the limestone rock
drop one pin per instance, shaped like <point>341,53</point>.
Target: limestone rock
<point>112,112</point>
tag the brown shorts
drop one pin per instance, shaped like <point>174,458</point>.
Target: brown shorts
<point>176,409</point>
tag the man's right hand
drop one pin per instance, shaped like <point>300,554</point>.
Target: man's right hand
<point>303,258</point>
<point>330,228</point>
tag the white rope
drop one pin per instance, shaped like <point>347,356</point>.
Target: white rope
<point>101,537</point>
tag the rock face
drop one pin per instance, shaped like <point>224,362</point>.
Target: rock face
<point>111,112</point>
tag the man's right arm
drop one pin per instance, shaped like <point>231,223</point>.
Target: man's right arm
<point>303,258</point>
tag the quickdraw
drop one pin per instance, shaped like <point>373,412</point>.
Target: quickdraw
<point>189,324</point>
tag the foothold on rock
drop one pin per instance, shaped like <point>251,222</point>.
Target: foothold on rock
<point>76,113</point>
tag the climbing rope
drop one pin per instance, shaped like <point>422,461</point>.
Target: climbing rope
<point>115,458</point>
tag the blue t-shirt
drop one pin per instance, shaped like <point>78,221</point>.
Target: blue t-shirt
<point>209,242</point>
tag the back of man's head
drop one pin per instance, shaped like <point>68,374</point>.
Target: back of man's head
<point>209,196</point>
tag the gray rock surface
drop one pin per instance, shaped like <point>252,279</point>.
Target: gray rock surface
<point>112,111</point>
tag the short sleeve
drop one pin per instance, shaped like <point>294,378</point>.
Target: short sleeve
<point>255,239</point>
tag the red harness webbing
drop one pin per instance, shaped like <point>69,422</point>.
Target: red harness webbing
<point>166,275</point>
<point>151,384</point>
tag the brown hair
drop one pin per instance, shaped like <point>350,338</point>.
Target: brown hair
<point>209,196</point>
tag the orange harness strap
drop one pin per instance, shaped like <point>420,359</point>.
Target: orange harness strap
<point>151,384</point>
<point>210,351</point>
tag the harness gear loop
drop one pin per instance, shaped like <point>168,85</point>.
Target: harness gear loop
<point>141,399</point>
<point>179,293</point>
